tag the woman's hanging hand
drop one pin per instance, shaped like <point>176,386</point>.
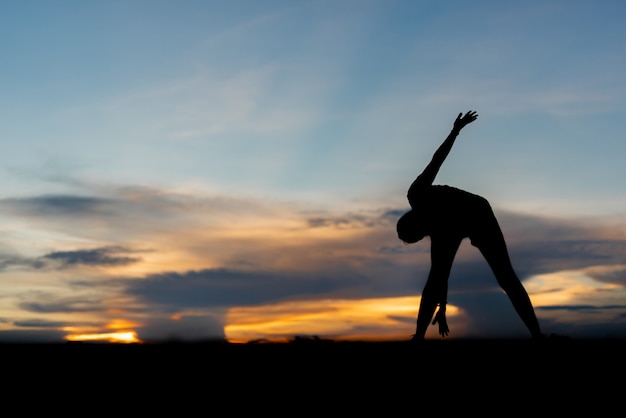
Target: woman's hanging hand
<point>440,317</point>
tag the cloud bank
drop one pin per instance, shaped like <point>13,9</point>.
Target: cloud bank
<point>158,258</point>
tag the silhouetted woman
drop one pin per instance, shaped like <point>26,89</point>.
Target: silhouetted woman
<point>448,215</point>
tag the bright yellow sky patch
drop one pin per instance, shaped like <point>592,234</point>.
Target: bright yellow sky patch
<point>121,332</point>
<point>111,337</point>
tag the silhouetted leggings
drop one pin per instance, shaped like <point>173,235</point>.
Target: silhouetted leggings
<point>484,233</point>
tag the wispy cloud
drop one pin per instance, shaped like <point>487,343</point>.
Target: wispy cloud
<point>39,323</point>
<point>56,205</point>
<point>612,273</point>
<point>104,257</point>
<point>108,256</point>
<point>31,336</point>
<point>49,304</point>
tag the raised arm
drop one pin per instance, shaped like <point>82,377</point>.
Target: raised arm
<point>430,172</point>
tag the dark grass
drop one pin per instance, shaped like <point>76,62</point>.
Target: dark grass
<point>490,356</point>
<point>303,377</point>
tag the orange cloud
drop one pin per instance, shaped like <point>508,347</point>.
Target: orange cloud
<point>118,324</point>
<point>569,287</point>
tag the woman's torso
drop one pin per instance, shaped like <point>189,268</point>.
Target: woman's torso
<point>445,210</point>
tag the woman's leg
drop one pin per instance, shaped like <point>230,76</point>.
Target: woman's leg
<point>490,241</point>
<point>435,291</point>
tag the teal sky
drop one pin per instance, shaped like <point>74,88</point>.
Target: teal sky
<point>130,126</point>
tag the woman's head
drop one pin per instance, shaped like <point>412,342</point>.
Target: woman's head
<point>408,228</point>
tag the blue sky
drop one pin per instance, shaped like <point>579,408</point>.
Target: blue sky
<point>206,168</point>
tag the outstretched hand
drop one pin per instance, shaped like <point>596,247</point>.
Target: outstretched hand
<point>440,318</point>
<point>461,120</point>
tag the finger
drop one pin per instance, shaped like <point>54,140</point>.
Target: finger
<point>469,119</point>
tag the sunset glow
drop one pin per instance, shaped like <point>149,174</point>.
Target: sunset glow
<point>111,337</point>
<point>337,319</point>
<point>203,170</point>
<point>569,287</point>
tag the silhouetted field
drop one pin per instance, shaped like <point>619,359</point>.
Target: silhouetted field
<point>550,377</point>
<point>449,356</point>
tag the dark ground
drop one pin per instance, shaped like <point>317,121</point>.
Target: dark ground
<point>553,376</point>
<point>451,356</point>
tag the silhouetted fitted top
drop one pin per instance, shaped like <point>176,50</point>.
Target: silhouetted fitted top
<point>448,212</point>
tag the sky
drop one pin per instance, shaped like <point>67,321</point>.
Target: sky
<point>235,169</point>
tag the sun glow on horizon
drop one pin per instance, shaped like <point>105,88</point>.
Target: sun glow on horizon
<point>125,337</point>
<point>338,319</point>
<point>121,332</point>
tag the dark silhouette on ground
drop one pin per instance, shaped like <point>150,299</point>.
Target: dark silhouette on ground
<point>448,215</point>
<point>292,379</point>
